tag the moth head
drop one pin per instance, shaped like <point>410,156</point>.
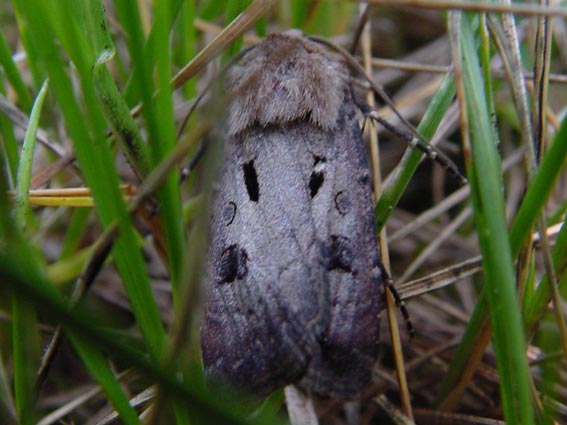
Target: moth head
<point>286,78</point>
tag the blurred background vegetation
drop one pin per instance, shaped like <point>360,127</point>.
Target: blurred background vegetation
<point>101,246</point>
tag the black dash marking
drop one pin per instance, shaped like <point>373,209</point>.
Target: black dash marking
<point>317,175</point>
<point>251,181</point>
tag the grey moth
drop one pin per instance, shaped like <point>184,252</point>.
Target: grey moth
<point>293,272</point>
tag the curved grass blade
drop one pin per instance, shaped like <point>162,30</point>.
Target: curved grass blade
<point>25,336</point>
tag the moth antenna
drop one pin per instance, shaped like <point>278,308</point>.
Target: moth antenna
<point>193,163</point>
<point>378,91</point>
<point>375,87</point>
<point>215,80</point>
<point>364,17</point>
<point>430,151</point>
<point>400,303</point>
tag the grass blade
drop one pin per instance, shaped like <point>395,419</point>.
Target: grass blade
<point>484,171</point>
<point>403,173</point>
<point>22,204</point>
<point>94,157</point>
<point>24,325</point>
<point>161,143</point>
<point>28,283</point>
<point>99,369</point>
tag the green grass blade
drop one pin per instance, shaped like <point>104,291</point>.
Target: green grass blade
<point>536,306</point>
<point>100,370</point>
<point>401,176</point>
<point>117,113</point>
<point>24,325</point>
<point>233,8</point>
<point>485,178</point>
<point>161,143</point>
<point>188,43</point>
<point>532,204</point>
<point>158,116</point>
<point>9,142</point>
<point>299,12</point>
<point>26,34</point>
<point>75,232</point>
<point>25,336</point>
<point>548,340</point>
<point>536,196</point>
<point>21,278</point>
<point>540,188</point>
<point>9,409</point>
<point>29,284</point>
<point>86,129</point>
<point>211,9</point>
<point>131,91</point>
<point>112,103</point>
<point>25,343</point>
<point>23,180</point>
<point>268,411</point>
<point>13,75</point>
<point>325,19</point>
<point>67,269</point>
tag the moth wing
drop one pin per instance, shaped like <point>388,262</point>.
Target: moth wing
<point>343,212</point>
<point>267,285</point>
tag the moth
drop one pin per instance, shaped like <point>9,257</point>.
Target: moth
<point>293,274</point>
